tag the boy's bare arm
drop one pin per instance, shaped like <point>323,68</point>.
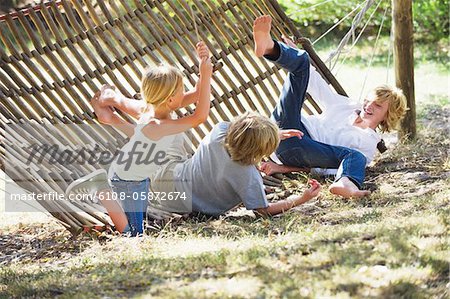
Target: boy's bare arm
<point>270,168</point>
<point>291,202</point>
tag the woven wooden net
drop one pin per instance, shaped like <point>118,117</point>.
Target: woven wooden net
<point>55,56</point>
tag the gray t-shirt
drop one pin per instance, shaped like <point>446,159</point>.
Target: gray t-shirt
<point>216,183</point>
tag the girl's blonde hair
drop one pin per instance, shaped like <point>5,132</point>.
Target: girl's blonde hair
<point>160,83</point>
<point>397,106</point>
<point>250,138</point>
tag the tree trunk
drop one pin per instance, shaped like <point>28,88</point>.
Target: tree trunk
<point>404,62</point>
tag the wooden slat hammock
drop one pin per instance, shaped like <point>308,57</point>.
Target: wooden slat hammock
<point>56,55</point>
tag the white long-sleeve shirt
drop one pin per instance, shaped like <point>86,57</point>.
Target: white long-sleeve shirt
<point>334,125</point>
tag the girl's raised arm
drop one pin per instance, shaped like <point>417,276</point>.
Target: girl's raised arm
<point>164,127</point>
<point>191,97</point>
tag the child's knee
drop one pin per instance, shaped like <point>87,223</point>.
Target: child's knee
<point>304,56</point>
<point>103,116</point>
<point>360,157</point>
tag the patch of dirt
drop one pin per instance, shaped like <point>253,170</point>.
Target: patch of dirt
<point>36,242</point>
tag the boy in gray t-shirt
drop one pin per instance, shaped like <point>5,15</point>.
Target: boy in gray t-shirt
<point>222,173</point>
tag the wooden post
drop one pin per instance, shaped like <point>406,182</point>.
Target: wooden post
<point>404,62</point>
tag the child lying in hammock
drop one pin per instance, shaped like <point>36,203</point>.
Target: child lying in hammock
<point>162,90</point>
<point>108,100</point>
<point>340,138</point>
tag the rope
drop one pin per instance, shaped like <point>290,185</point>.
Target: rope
<point>311,7</point>
<point>195,23</point>
<point>375,48</point>
<point>337,24</point>
<point>351,33</point>
<point>391,46</point>
<point>347,53</point>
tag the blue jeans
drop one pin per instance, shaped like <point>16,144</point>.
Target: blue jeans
<point>307,152</point>
<point>134,198</point>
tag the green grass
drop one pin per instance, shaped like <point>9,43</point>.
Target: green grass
<point>349,250</point>
<point>393,244</point>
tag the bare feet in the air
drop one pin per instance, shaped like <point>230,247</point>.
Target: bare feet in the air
<point>104,113</point>
<point>346,188</point>
<point>261,35</point>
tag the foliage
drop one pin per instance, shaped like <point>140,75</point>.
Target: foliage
<point>431,21</point>
<point>8,5</point>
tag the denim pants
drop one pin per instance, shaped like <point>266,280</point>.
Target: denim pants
<point>133,196</point>
<point>307,152</point>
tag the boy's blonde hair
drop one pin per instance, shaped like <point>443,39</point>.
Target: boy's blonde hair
<point>250,138</point>
<point>397,106</point>
<point>160,83</point>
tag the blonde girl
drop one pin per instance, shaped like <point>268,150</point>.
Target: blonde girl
<point>163,92</point>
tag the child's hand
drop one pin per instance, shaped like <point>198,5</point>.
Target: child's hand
<point>206,67</point>
<point>285,134</point>
<point>205,61</point>
<point>314,190</point>
<point>288,41</point>
<point>202,50</point>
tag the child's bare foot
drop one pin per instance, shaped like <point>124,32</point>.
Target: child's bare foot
<point>261,35</point>
<point>270,168</point>
<point>107,95</point>
<point>346,188</point>
<point>104,114</point>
